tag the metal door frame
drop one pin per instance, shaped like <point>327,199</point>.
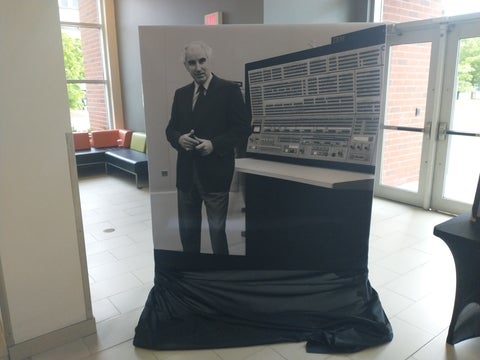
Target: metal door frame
<point>466,26</point>
<point>434,32</point>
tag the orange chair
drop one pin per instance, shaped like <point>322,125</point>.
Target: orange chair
<point>81,141</point>
<point>111,138</point>
<point>125,137</point>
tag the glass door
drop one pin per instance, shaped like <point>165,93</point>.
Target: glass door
<point>405,163</point>
<point>457,168</point>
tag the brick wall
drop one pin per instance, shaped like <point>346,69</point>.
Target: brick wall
<point>92,55</point>
<point>397,11</point>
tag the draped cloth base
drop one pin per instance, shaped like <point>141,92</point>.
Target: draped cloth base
<point>205,309</point>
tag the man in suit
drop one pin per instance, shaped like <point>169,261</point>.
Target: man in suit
<point>209,119</point>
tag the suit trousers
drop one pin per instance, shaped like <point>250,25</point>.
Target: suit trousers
<point>190,218</point>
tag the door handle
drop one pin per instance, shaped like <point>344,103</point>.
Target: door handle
<point>428,130</point>
<point>442,131</point>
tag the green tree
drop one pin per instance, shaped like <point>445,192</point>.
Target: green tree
<point>74,70</point>
<point>469,64</point>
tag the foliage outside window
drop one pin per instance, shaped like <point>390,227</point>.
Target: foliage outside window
<point>469,65</point>
<point>73,59</point>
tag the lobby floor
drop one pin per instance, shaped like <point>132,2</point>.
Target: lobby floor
<point>411,269</point>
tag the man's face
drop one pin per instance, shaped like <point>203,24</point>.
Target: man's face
<point>197,64</point>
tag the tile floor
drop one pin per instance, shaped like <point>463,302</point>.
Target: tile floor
<point>410,268</point>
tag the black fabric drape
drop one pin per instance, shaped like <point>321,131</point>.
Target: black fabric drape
<point>198,309</point>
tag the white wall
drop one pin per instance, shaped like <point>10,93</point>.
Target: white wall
<point>43,279</point>
<point>316,11</point>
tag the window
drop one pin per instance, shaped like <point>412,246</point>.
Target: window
<point>68,4</point>
<point>83,36</point>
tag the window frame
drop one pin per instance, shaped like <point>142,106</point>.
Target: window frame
<point>110,62</point>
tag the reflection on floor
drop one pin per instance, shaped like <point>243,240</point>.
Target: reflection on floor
<point>411,269</point>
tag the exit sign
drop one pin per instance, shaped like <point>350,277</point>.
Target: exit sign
<point>214,18</point>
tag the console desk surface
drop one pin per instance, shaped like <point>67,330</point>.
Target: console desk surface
<point>323,177</point>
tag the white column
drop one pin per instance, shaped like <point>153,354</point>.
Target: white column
<point>44,293</point>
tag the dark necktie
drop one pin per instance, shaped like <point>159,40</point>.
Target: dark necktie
<point>200,96</point>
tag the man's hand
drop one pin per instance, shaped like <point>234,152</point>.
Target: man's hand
<point>188,141</point>
<point>205,147</point>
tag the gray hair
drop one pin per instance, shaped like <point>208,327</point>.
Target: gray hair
<point>207,49</point>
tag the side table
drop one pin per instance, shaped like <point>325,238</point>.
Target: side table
<point>463,239</point>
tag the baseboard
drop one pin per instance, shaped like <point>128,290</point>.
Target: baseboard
<point>52,340</point>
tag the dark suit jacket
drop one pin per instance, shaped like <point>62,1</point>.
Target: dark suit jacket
<point>222,118</point>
